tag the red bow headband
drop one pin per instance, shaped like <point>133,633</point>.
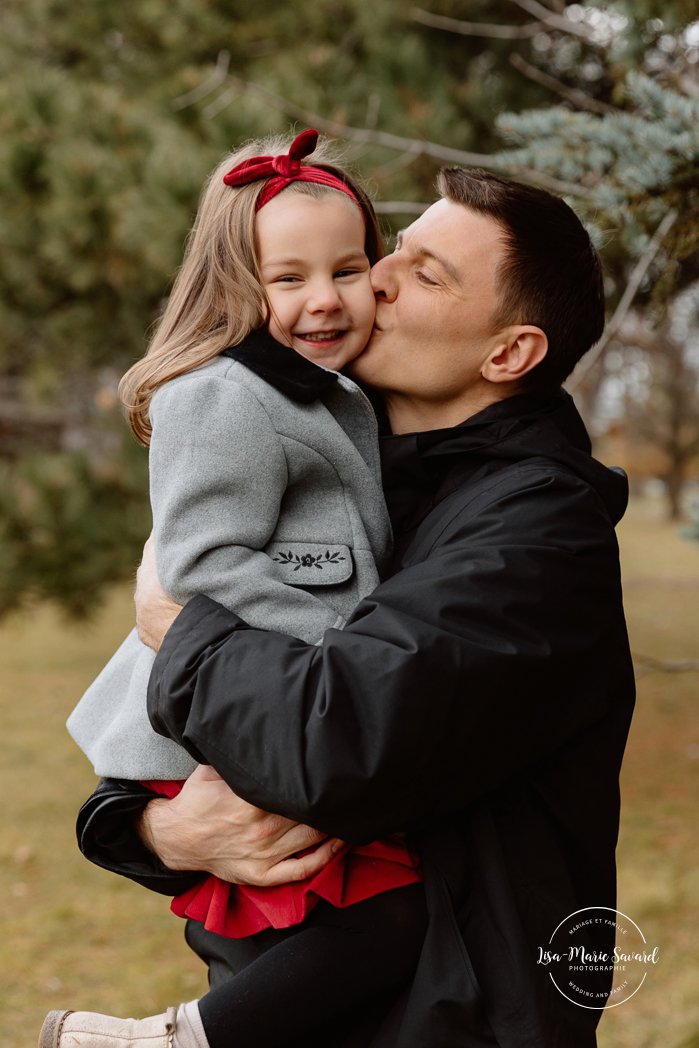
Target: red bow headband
<point>283,170</point>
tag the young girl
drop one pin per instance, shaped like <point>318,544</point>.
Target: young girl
<point>265,487</point>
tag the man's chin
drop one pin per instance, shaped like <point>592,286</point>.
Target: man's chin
<point>366,367</point>
<point>357,369</point>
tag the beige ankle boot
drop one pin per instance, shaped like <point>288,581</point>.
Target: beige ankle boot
<point>92,1030</point>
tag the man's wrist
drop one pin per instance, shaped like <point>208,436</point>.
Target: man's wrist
<point>142,824</point>
<point>160,833</point>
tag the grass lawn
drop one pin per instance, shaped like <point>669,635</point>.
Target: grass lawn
<point>73,935</point>
<point>658,851</point>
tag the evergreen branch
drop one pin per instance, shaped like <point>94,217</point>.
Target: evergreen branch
<point>399,207</point>
<point>619,315</point>
<point>572,94</point>
<point>208,86</point>
<point>384,138</point>
<point>554,21</point>
<point>455,25</point>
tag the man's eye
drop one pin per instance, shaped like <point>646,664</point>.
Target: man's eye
<point>426,279</point>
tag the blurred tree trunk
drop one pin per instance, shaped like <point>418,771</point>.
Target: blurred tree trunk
<point>668,414</point>
<point>674,480</point>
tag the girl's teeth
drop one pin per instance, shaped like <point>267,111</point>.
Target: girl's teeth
<point>325,336</point>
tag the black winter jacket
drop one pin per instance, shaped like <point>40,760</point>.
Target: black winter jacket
<point>479,699</point>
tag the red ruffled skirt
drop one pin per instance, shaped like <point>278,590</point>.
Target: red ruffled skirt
<point>355,873</point>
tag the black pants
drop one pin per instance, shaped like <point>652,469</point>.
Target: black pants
<point>279,985</point>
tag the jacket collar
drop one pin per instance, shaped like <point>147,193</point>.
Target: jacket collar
<point>421,469</point>
<point>284,368</point>
<point>497,424</point>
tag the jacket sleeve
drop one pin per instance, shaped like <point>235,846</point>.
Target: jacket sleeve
<point>107,837</point>
<point>475,661</point>
<point>218,474</point>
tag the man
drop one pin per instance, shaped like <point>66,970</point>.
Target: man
<point>480,698</point>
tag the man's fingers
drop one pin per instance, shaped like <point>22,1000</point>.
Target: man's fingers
<point>297,838</point>
<point>261,875</point>
<point>305,866</point>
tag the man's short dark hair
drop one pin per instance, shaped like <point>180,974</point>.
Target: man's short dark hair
<point>551,275</point>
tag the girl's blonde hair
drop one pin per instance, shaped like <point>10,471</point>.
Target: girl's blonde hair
<point>218,297</point>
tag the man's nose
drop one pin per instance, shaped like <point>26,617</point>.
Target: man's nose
<point>383,279</point>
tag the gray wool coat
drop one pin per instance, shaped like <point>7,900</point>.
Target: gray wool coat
<point>268,504</point>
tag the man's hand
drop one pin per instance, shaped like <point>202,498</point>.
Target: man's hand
<point>207,827</point>
<point>155,612</point>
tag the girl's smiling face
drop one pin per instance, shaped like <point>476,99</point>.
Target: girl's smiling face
<point>316,276</point>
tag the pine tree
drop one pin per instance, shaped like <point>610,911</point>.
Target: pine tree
<point>100,174</point>
<point>99,177</point>
<point>634,165</point>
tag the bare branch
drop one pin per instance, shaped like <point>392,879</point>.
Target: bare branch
<point>220,103</point>
<point>208,86</point>
<point>634,332</point>
<point>359,134</point>
<point>455,25</point>
<point>557,5</point>
<point>647,665</point>
<point>372,109</point>
<point>540,178</point>
<point>404,160</point>
<point>635,281</point>
<point>552,20</point>
<point>383,138</point>
<point>572,94</point>
<point>399,207</point>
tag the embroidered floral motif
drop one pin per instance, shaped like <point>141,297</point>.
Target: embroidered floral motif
<point>307,560</point>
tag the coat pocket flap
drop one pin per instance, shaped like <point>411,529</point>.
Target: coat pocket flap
<point>311,563</point>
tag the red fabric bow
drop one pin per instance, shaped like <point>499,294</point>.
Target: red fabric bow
<point>283,170</point>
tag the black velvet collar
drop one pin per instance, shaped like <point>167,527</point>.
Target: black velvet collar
<point>284,368</point>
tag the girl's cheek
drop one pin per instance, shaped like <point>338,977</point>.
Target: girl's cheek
<point>365,295</point>
<point>282,308</point>
<point>277,327</point>
<point>370,304</point>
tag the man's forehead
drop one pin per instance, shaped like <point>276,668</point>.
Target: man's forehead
<point>422,250</point>
<point>455,236</point>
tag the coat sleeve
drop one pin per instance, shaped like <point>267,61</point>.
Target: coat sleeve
<point>218,476</point>
<point>107,837</point>
<point>466,667</point>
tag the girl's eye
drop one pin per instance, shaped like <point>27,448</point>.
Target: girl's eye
<point>287,280</point>
<point>346,273</point>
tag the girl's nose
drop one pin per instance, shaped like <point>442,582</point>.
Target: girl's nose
<point>323,297</point>
<point>383,279</point>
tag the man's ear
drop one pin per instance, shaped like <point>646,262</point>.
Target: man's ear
<point>520,349</point>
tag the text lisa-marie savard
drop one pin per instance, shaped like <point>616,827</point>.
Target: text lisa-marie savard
<point>593,957</point>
